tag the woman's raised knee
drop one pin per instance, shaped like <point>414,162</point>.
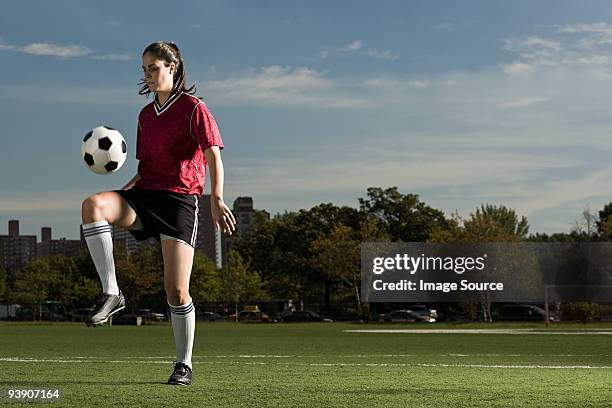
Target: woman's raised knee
<point>92,208</point>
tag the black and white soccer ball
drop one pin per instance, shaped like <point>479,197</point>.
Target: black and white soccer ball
<point>103,150</point>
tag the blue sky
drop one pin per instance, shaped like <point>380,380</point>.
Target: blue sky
<point>462,102</point>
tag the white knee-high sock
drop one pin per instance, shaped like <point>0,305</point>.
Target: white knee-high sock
<point>100,244</point>
<point>183,326</point>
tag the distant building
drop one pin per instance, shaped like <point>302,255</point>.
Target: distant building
<point>124,237</point>
<point>214,244</point>
<point>16,250</point>
<point>244,213</point>
<point>48,246</point>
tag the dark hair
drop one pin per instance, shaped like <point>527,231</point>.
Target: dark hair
<point>168,52</point>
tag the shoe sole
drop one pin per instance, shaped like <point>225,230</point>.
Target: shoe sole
<point>101,322</point>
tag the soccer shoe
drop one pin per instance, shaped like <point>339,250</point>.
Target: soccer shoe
<point>181,375</point>
<point>106,306</point>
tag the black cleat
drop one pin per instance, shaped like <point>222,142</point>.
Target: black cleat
<point>181,375</point>
<point>106,306</point>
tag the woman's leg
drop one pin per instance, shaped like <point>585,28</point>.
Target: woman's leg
<point>107,206</point>
<point>178,260</point>
<point>98,212</point>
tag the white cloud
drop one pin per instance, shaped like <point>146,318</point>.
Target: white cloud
<point>522,102</point>
<point>277,85</point>
<point>538,42</point>
<point>517,68</point>
<point>411,168</point>
<point>384,54</point>
<point>600,28</point>
<point>393,84</point>
<point>578,44</point>
<point>354,46</point>
<point>419,84</point>
<point>63,51</point>
<point>56,50</point>
<point>357,48</point>
<point>560,192</point>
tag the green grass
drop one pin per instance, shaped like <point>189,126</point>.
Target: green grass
<point>312,365</point>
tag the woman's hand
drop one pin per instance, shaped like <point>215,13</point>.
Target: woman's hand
<point>222,216</point>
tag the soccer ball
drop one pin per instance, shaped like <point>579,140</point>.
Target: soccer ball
<point>103,150</point>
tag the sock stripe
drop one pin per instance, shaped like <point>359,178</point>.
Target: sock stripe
<point>87,236</point>
<point>186,305</point>
<point>87,228</point>
<point>96,230</point>
<point>181,313</point>
<point>181,310</point>
<point>96,234</point>
<point>95,224</point>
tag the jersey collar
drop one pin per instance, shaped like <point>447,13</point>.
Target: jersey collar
<point>161,109</point>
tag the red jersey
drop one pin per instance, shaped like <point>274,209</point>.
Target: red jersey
<point>170,144</point>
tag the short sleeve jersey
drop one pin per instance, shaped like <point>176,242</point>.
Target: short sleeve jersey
<point>170,144</point>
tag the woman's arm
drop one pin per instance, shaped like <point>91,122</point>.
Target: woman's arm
<point>131,183</point>
<point>221,214</point>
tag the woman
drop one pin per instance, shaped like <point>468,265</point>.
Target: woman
<point>176,138</point>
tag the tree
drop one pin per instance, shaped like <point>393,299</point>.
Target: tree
<point>604,222</point>
<point>33,282</point>
<point>373,230</point>
<point>206,283</point>
<point>265,250</point>
<point>3,284</point>
<point>239,283</point>
<point>337,256</point>
<point>589,224</point>
<point>505,219</point>
<point>141,275</point>
<point>404,216</point>
<point>487,224</point>
<point>279,249</point>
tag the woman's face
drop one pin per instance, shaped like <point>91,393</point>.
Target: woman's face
<point>157,74</point>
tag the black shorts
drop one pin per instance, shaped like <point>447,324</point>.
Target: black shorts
<point>163,213</point>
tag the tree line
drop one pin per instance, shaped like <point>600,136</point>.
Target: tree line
<point>312,255</point>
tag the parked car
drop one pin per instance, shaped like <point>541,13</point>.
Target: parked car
<point>209,317</point>
<point>423,310</point>
<point>405,316</point>
<point>305,316</point>
<point>81,314</point>
<point>252,315</point>
<point>524,313</point>
<point>150,315</point>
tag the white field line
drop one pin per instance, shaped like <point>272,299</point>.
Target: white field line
<point>26,360</point>
<point>477,331</point>
<point>273,356</point>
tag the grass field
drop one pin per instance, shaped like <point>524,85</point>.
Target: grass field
<point>318,364</point>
